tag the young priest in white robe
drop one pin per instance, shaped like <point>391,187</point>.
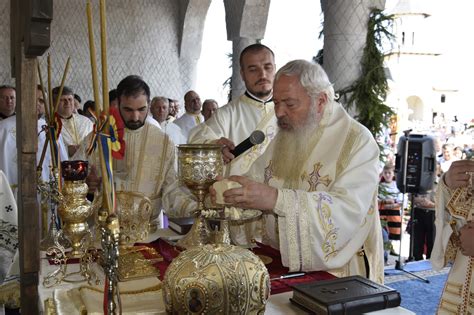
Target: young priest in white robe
<point>234,122</point>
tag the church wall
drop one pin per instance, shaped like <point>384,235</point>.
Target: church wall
<point>143,39</point>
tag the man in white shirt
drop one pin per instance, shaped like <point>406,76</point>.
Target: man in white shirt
<point>192,117</point>
<point>8,150</point>
<point>7,101</point>
<point>74,127</point>
<point>209,107</point>
<point>159,108</point>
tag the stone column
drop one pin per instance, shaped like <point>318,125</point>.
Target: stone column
<point>345,31</point>
<point>246,21</point>
<point>238,44</point>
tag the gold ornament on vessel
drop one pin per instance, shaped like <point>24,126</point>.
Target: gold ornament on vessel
<point>216,279</point>
<point>134,213</point>
<point>198,167</point>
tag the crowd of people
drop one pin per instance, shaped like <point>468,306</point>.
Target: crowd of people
<point>316,176</point>
<point>420,223</point>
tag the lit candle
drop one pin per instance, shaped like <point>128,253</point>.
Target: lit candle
<point>95,81</point>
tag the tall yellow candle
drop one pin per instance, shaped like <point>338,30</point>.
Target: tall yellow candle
<point>105,99</point>
<point>66,69</point>
<point>49,119</point>
<point>95,81</point>
<point>43,91</point>
<point>103,47</point>
<point>50,91</point>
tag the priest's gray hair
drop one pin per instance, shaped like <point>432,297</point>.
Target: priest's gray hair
<point>312,77</point>
<point>157,99</point>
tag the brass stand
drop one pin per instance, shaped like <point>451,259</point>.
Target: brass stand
<point>198,235</point>
<point>110,231</point>
<point>57,254</point>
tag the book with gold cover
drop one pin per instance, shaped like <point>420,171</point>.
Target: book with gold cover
<point>347,295</point>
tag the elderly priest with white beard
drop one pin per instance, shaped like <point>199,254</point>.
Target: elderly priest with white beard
<point>317,181</point>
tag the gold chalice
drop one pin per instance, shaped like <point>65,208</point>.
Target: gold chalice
<point>198,167</point>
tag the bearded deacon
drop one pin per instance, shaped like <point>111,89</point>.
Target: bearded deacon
<point>317,181</point>
<point>147,167</point>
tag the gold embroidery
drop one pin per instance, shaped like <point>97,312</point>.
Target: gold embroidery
<point>260,105</point>
<point>141,157</point>
<point>466,288</point>
<point>453,288</point>
<point>460,203</point>
<point>12,131</point>
<point>257,150</point>
<point>374,204</point>
<point>345,155</point>
<point>162,162</point>
<point>314,178</point>
<point>449,306</point>
<point>324,212</point>
<point>268,173</point>
<point>305,232</point>
<point>131,292</point>
<point>71,123</point>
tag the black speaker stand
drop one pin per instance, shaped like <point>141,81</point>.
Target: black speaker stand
<point>398,263</point>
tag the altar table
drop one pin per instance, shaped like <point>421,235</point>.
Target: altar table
<point>278,302</point>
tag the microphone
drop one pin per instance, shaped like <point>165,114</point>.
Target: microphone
<point>255,138</point>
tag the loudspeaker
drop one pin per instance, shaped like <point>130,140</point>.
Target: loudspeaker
<point>420,163</point>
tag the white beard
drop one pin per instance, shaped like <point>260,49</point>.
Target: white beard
<point>291,150</point>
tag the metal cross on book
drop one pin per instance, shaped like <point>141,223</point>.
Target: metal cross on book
<point>333,291</point>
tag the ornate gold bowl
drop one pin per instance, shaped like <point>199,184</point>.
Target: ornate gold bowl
<point>134,212</point>
<point>216,279</point>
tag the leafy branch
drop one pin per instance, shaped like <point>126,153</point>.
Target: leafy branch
<point>368,93</point>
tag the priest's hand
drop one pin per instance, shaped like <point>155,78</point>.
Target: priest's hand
<point>467,239</point>
<point>93,180</point>
<point>228,145</point>
<point>458,174</point>
<point>252,195</point>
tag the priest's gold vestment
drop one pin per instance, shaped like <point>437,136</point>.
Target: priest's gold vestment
<point>148,168</point>
<point>453,209</point>
<point>329,219</point>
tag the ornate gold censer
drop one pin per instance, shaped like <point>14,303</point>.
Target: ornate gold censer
<point>216,279</point>
<point>198,167</point>
<point>74,209</point>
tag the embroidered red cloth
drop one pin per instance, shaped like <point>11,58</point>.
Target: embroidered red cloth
<point>275,268</point>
